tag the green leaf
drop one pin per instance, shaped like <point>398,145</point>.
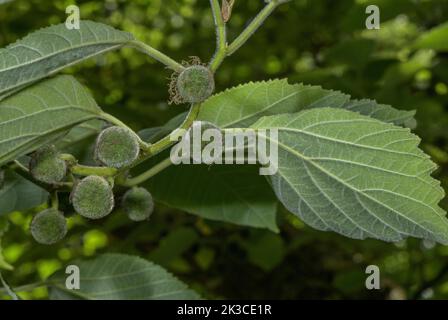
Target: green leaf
<point>230,193</point>
<point>120,277</point>
<point>357,176</point>
<point>42,114</point>
<point>47,51</point>
<point>243,105</point>
<point>210,191</point>
<point>382,112</point>
<point>19,194</point>
<point>80,132</point>
<point>436,39</point>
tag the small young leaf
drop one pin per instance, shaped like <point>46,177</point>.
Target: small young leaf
<point>41,114</point>
<point>51,49</point>
<point>120,277</point>
<point>19,194</point>
<point>357,176</point>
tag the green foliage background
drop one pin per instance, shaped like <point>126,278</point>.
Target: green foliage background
<point>318,42</point>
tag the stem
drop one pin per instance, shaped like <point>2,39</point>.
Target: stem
<point>156,54</point>
<point>166,142</point>
<point>148,174</point>
<point>159,146</point>
<point>54,200</point>
<point>221,38</point>
<point>253,26</point>
<point>97,171</point>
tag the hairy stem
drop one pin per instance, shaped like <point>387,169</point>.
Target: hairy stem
<point>156,54</point>
<point>147,174</point>
<point>253,26</point>
<point>221,38</point>
<point>166,142</point>
<point>158,147</point>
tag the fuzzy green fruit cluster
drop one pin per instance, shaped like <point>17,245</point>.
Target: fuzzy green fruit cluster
<point>48,226</point>
<point>93,197</point>
<point>117,147</point>
<point>195,84</point>
<point>46,166</point>
<point>138,204</point>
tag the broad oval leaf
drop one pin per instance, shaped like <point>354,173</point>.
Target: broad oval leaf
<point>41,114</point>
<point>357,176</point>
<point>243,105</point>
<point>230,193</point>
<point>19,194</point>
<point>120,277</point>
<point>51,49</point>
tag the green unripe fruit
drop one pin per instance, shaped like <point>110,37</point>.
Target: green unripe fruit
<point>195,84</point>
<point>116,147</point>
<point>93,198</point>
<point>48,226</point>
<point>138,204</point>
<point>46,166</point>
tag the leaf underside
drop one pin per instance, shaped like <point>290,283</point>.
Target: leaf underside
<point>41,114</point>
<point>120,277</point>
<point>357,176</point>
<point>47,51</point>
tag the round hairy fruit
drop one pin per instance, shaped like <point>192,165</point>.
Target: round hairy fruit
<point>46,166</point>
<point>93,198</point>
<point>138,204</point>
<point>195,84</point>
<point>116,147</point>
<point>48,226</point>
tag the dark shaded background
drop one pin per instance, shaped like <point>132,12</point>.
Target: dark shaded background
<point>322,42</point>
